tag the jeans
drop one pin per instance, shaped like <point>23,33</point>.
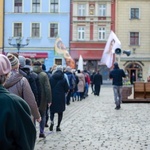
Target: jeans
<point>117,94</point>
<point>43,120</point>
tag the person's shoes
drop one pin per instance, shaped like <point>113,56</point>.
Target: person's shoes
<point>46,125</point>
<point>58,129</point>
<point>42,135</point>
<point>51,127</point>
<point>117,107</point>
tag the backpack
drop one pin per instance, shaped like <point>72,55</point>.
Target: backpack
<point>35,86</point>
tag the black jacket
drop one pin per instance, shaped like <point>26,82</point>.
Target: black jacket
<point>59,88</point>
<point>117,74</point>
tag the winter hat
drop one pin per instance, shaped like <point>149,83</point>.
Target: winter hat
<point>22,61</point>
<point>28,61</point>
<point>5,65</point>
<point>13,60</point>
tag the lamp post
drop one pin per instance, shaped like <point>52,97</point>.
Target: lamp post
<point>18,44</point>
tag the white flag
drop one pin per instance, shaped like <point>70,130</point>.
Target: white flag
<point>80,63</point>
<point>109,50</point>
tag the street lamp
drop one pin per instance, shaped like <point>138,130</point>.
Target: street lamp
<point>18,44</point>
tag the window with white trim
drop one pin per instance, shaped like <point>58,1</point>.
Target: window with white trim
<point>54,4</point>
<point>58,61</point>
<point>17,6</point>
<point>134,38</point>
<point>134,13</point>
<point>53,30</point>
<point>17,29</point>
<point>36,6</point>
<point>35,30</point>
<point>102,10</point>
<point>81,10</point>
<point>81,33</point>
<point>101,33</point>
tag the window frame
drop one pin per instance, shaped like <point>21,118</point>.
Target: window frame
<point>81,10</point>
<point>49,35</point>
<point>81,33</point>
<point>38,9</point>
<point>18,9</point>
<point>134,13</point>
<point>36,28</point>
<point>102,10</point>
<point>58,60</point>
<point>134,39</point>
<point>56,6</point>
<point>102,33</point>
<point>17,35</point>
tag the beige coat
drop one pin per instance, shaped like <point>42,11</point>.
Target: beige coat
<point>81,83</point>
<point>19,85</point>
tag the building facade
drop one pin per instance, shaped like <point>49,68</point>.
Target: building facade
<point>1,25</point>
<point>90,25</point>
<point>40,22</point>
<point>133,30</point>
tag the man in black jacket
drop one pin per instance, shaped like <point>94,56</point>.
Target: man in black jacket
<point>97,81</point>
<point>117,76</point>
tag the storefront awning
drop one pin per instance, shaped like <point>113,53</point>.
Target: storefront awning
<point>86,54</point>
<point>34,55</point>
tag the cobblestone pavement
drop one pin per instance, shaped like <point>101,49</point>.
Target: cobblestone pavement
<point>94,124</point>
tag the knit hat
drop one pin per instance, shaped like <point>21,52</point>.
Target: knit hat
<point>13,60</point>
<point>115,64</point>
<point>5,66</point>
<point>22,61</point>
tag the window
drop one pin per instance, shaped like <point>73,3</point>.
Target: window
<point>81,33</point>
<point>101,33</point>
<point>18,6</point>
<point>53,30</point>
<point>81,10</point>
<point>58,61</point>
<point>35,30</point>
<point>134,38</point>
<point>53,6</point>
<point>35,6</point>
<point>134,13</point>
<point>17,29</point>
<point>102,10</point>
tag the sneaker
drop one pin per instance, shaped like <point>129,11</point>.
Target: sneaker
<point>42,135</point>
<point>51,127</point>
<point>58,129</point>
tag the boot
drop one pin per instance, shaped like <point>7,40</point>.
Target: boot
<point>58,129</point>
<point>51,127</point>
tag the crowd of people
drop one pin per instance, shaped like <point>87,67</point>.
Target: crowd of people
<point>30,94</point>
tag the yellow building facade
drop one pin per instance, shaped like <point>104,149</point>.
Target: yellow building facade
<point>1,24</point>
<point>133,30</point>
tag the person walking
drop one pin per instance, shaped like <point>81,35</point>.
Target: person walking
<point>46,95</point>
<point>81,84</point>
<point>117,76</point>
<point>19,85</point>
<point>59,87</point>
<point>17,129</point>
<point>97,81</point>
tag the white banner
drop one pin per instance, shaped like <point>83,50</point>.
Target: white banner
<point>80,64</point>
<point>109,50</point>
